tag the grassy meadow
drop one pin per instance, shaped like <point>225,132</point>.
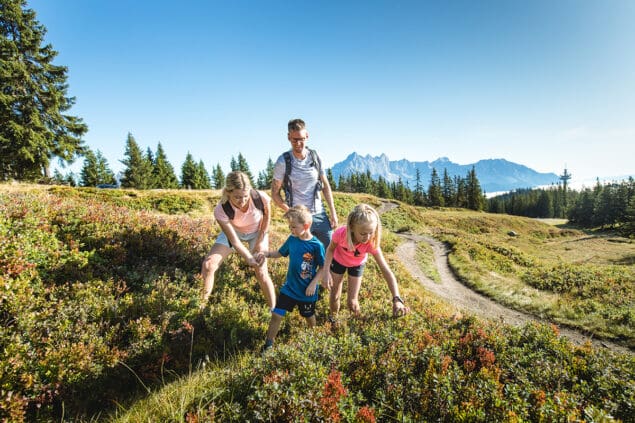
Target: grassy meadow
<point>99,305</point>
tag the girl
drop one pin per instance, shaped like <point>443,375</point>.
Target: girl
<point>243,215</point>
<point>348,251</point>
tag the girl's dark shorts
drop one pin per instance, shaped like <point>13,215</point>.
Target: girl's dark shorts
<point>285,303</point>
<point>340,269</point>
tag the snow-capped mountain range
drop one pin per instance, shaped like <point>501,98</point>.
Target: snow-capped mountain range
<point>494,175</point>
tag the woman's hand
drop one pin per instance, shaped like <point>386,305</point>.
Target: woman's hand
<point>260,257</point>
<point>252,262</point>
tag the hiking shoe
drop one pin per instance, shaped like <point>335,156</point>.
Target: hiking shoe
<point>267,347</point>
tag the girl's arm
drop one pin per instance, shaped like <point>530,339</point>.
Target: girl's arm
<point>398,306</point>
<point>229,231</point>
<point>328,259</point>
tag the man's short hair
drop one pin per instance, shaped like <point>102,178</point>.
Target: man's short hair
<point>296,125</point>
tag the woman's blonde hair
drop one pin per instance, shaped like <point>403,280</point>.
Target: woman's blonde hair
<point>235,181</point>
<point>363,214</point>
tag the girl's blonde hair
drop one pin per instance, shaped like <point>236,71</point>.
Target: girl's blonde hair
<point>299,214</point>
<point>235,181</point>
<point>363,214</point>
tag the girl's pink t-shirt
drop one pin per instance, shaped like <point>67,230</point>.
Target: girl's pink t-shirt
<point>346,257</point>
<point>245,223</point>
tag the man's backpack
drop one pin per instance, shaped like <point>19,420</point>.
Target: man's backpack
<point>286,181</point>
<point>255,197</point>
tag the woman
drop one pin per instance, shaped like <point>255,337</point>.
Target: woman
<point>243,215</point>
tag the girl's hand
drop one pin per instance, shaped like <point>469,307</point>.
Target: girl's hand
<point>399,308</point>
<point>328,281</point>
<point>353,305</point>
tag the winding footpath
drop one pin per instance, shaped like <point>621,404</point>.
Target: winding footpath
<point>464,299</point>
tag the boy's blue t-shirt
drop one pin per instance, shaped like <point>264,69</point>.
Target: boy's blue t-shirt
<point>304,259</point>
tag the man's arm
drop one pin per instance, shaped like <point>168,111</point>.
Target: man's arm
<point>276,187</point>
<point>328,196</point>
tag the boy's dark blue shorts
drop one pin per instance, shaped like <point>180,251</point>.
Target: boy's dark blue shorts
<point>285,303</point>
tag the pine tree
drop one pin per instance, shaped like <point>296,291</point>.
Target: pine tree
<point>329,177</point>
<point>475,198</point>
<point>188,172</point>
<point>95,170</point>
<point>218,177</point>
<point>419,197</point>
<point>163,172</point>
<point>448,190</point>
<point>435,198</point>
<point>383,190</point>
<point>88,176</point>
<point>629,224</point>
<point>138,171</point>
<point>35,125</point>
<point>243,166</point>
<point>265,178</point>
<point>202,180</point>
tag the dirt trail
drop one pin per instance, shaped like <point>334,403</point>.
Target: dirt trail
<point>466,300</point>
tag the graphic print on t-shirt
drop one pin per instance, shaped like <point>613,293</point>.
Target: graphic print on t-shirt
<point>306,266</point>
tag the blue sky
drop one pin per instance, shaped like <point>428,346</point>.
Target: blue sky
<point>543,83</point>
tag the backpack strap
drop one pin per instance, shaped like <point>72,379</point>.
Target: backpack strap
<point>255,197</point>
<point>286,181</point>
<point>229,210</point>
<point>317,163</point>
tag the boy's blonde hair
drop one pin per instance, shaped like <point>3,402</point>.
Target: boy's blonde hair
<point>299,214</point>
<point>235,181</point>
<point>363,214</point>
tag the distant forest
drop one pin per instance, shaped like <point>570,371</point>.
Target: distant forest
<point>609,205</point>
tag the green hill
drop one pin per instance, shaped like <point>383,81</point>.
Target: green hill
<point>99,306</point>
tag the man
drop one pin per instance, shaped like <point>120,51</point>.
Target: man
<point>299,172</point>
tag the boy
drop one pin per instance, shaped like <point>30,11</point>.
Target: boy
<point>306,255</point>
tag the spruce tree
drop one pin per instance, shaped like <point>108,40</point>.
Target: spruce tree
<point>188,172</point>
<point>418,196</point>
<point>95,170</point>
<point>202,180</point>
<point>88,176</point>
<point>329,177</point>
<point>138,171</point>
<point>163,172</point>
<point>218,177</point>
<point>475,198</point>
<point>35,126</point>
<point>435,198</point>
<point>243,166</point>
<point>448,190</point>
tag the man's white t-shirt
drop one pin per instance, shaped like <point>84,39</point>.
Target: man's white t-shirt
<point>304,177</point>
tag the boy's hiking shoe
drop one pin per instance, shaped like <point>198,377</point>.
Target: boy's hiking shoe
<point>267,347</point>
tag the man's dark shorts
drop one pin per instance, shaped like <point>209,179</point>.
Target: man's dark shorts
<point>285,303</point>
<point>321,228</point>
<point>340,269</point>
